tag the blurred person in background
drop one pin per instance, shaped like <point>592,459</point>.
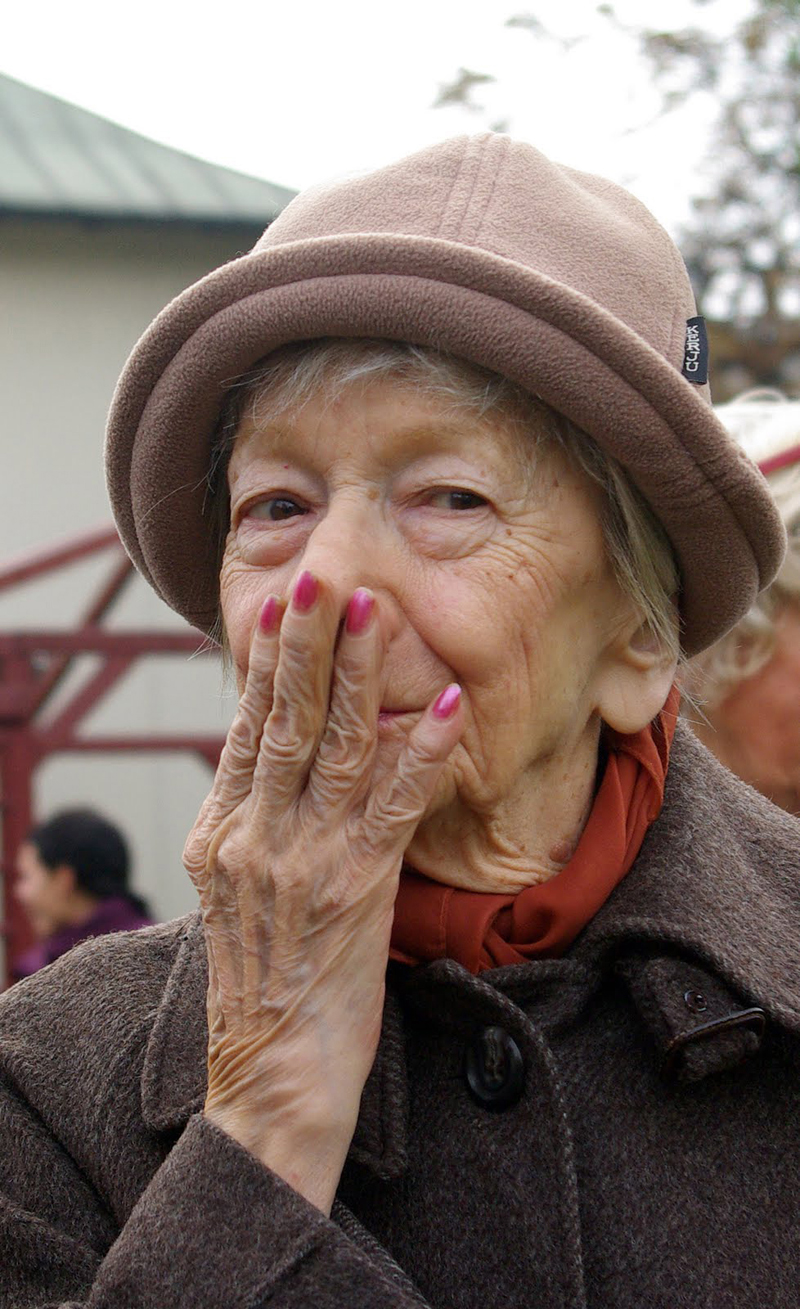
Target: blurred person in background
<point>747,685</point>
<point>72,882</point>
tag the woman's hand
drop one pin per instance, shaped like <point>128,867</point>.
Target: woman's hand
<point>296,855</point>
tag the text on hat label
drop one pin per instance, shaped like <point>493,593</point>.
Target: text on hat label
<point>695,355</point>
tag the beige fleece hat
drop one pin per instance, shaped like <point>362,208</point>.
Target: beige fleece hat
<point>480,246</point>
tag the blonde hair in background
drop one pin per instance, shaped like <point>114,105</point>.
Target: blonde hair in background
<point>766,424</point>
<point>637,545</point>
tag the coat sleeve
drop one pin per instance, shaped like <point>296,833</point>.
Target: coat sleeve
<point>213,1228</point>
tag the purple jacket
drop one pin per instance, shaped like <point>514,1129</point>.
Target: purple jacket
<point>115,914</point>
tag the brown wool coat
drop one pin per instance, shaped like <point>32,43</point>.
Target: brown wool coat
<point>652,1159</point>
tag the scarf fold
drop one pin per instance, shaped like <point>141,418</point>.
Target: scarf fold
<point>482,930</point>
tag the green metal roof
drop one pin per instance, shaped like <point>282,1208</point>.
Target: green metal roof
<point>58,159</point>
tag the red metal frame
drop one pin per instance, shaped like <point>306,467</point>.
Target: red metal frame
<point>33,665</point>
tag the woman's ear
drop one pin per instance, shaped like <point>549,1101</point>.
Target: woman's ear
<point>636,680</point>
<point>66,877</point>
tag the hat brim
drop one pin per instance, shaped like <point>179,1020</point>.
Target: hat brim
<point>549,338</point>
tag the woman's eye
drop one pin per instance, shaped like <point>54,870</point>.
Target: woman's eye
<point>276,509</point>
<point>458,500</point>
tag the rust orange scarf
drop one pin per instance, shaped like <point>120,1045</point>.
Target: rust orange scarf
<point>481,930</point>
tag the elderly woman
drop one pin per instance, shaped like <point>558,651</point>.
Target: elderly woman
<point>748,683</point>
<point>477,1011</point>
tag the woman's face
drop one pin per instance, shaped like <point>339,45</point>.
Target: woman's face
<point>485,555</point>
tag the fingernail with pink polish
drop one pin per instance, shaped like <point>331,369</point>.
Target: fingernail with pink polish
<point>446,704</point>
<point>269,620</point>
<point>359,611</point>
<point>306,591</point>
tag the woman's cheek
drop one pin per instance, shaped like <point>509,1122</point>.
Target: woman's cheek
<point>242,591</point>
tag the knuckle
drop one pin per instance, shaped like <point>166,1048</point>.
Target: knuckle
<point>284,747</point>
<point>393,811</point>
<point>350,674</point>
<point>347,747</point>
<point>388,815</point>
<point>403,802</point>
<point>218,850</point>
<point>298,660</point>
<point>420,755</point>
<point>232,851</point>
<point>298,638</point>
<point>243,734</point>
<point>330,788</point>
<point>288,737</point>
<point>413,782</point>
<point>342,769</point>
<point>195,853</point>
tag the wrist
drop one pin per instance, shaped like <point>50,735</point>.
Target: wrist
<point>308,1155</point>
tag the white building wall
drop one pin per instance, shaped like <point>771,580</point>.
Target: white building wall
<point>74,297</point>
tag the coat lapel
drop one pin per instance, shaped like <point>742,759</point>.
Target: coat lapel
<point>718,878</point>
<point>174,1073</point>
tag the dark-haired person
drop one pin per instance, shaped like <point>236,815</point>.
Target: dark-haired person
<point>72,882</point>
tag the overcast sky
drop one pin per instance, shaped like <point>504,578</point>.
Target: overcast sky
<point>298,92</point>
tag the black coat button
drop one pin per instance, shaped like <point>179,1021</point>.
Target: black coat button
<point>494,1069</point>
<point>695,1002</point>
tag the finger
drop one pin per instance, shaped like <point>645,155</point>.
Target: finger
<point>234,775</point>
<point>398,803</point>
<point>300,696</point>
<point>341,772</point>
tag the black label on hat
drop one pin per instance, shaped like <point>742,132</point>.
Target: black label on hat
<point>695,356</point>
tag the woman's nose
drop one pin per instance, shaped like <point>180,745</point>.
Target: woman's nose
<point>349,548</point>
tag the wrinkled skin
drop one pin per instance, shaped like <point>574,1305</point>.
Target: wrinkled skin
<point>487,569</point>
<point>296,859</point>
